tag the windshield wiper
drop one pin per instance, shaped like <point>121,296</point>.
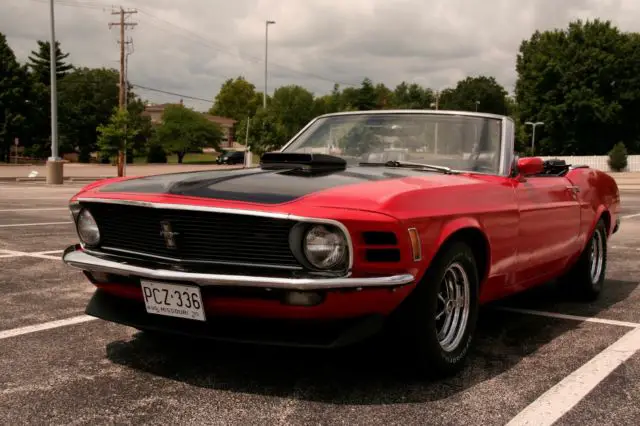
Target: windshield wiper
<point>407,164</point>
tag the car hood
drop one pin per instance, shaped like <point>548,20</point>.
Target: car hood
<point>365,188</point>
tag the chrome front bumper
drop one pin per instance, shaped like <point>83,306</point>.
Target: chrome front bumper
<point>87,262</point>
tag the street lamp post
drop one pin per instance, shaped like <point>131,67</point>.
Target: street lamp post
<point>477,103</point>
<point>533,136</point>
<point>266,49</point>
<point>54,164</point>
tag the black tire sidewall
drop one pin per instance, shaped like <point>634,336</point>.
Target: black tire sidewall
<point>597,286</point>
<point>577,282</point>
<point>424,306</point>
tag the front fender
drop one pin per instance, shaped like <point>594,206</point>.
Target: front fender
<point>436,233</point>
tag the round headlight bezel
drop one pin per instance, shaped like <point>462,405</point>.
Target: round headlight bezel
<point>85,219</point>
<point>325,233</point>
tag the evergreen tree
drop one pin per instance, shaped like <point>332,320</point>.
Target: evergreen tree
<point>13,93</point>
<point>40,64</point>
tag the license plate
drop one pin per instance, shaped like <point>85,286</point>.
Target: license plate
<point>174,300</point>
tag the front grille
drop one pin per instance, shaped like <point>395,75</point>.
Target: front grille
<point>212,237</point>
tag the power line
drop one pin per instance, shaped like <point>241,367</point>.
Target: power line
<point>171,93</point>
<point>246,57</point>
<point>207,42</point>
<point>78,4</point>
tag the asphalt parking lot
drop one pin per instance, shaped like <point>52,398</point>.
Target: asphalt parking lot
<point>539,357</point>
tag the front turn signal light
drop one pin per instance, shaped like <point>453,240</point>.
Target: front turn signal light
<point>416,247</point>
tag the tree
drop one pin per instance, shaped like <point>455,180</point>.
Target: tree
<point>183,130</point>
<point>584,84</point>
<point>87,98</point>
<point>146,131</point>
<point>384,96</point>
<point>266,133</point>
<point>293,107</point>
<point>13,96</point>
<point>236,99</point>
<point>116,135</point>
<point>618,157</point>
<point>412,96</point>
<point>40,64</point>
<point>367,96</point>
<point>482,93</point>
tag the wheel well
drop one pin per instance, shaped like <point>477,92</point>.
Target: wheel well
<point>606,216</point>
<point>479,246</point>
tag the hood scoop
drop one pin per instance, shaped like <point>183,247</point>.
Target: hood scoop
<point>302,162</point>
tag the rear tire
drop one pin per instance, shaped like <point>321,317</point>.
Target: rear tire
<point>585,279</point>
<point>441,314</point>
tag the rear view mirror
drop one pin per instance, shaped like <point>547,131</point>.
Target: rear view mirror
<point>530,166</point>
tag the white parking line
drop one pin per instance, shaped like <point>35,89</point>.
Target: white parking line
<point>630,216</point>
<point>565,395</point>
<point>48,252</point>
<point>5,334</point>
<point>39,254</point>
<point>570,317</point>
<point>625,248</point>
<point>43,209</point>
<point>17,225</point>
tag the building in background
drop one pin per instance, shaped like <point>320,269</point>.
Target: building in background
<point>155,111</point>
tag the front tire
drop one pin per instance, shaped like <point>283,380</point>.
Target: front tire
<point>585,279</point>
<point>443,311</point>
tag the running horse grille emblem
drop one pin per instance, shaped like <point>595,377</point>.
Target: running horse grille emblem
<point>168,235</point>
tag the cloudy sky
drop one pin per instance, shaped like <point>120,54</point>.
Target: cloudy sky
<point>191,46</point>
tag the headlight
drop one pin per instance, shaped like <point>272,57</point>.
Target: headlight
<point>324,247</point>
<point>88,228</point>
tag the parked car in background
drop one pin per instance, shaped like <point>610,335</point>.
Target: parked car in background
<point>231,157</point>
<point>365,221</point>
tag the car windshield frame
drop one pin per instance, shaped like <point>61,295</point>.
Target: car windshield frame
<point>504,151</point>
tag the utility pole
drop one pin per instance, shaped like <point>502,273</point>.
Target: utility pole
<point>54,164</point>
<point>266,49</point>
<point>123,26</point>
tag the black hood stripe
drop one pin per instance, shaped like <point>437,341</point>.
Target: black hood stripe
<point>255,185</point>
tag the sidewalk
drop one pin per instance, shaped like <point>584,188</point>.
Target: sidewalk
<point>99,171</point>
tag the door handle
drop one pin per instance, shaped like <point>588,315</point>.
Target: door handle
<point>574,189</point>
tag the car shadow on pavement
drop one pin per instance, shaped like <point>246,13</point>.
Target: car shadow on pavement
<point>369,373</point>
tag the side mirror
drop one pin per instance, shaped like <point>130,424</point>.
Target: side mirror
<point>530,166</point>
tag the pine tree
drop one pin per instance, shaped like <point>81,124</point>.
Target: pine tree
<point>40,66</point>
<point>13,85</point>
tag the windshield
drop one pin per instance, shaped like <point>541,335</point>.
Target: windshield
<point>461,142</point>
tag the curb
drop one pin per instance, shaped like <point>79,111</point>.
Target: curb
<point>44,179</point>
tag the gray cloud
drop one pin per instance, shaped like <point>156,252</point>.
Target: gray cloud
<point>313,43</point>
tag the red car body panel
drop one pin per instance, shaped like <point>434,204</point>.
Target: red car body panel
<point>534,228</point>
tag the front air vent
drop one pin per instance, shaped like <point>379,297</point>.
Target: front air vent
<point>379,238</point>
<point>383,255</point>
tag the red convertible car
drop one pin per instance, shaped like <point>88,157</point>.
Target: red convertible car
<point>362,221</point>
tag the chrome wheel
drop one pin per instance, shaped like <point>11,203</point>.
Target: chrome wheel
<point>452,312</point>
<point>596,255</point>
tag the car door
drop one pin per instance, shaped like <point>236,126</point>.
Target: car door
<point>549,225</point>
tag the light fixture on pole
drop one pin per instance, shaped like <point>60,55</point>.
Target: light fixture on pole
<point>477,103</point>
<point>533,136</point>
<point>266,49</point>
<point>54,163</point>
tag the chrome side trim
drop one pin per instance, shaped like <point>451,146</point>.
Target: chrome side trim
<point>245,212</point>
<point>82,260</point>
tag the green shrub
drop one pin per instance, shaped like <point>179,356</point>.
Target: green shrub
<point>156,154</point>
<point>618,157</point>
